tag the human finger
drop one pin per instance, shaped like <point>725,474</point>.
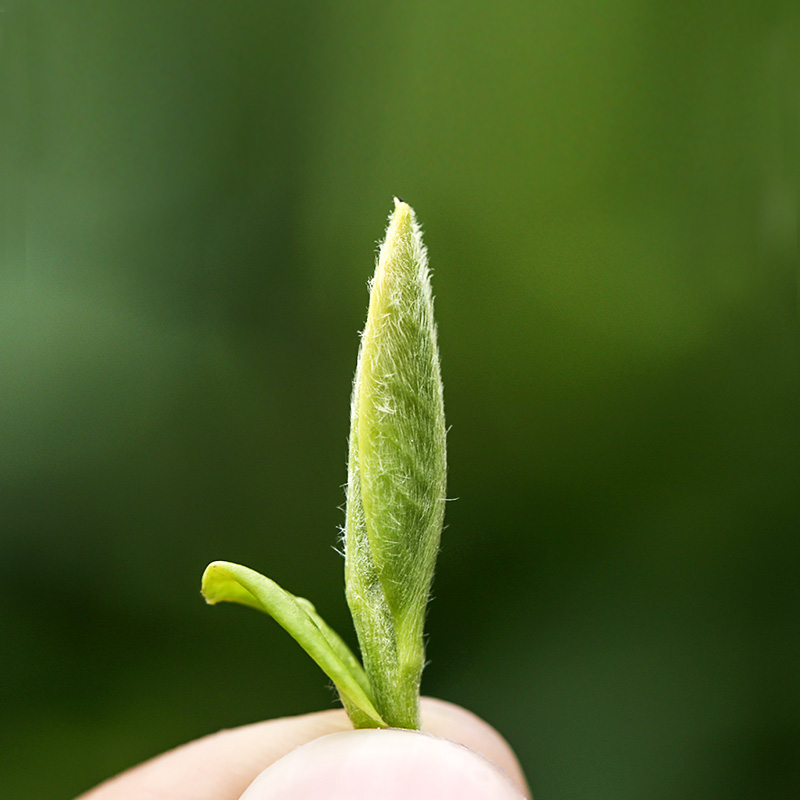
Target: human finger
<point>221,766</point>
<point>390,764</point>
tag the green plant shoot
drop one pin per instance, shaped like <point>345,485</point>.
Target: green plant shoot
<point>395,500</point>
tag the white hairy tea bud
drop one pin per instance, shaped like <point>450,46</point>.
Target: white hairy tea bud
<point>395,501</point>
<point>396,474</point>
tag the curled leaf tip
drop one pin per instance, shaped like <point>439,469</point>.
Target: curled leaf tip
<point>233,583</point>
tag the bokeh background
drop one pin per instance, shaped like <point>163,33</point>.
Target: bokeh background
<point>192,196</point>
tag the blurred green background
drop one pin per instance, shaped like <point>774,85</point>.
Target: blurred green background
<point>192,196</point>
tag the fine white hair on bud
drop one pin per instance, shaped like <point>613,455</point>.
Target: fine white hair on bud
<point>396,472</point>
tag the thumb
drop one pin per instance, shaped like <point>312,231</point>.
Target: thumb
<point>389,764</point>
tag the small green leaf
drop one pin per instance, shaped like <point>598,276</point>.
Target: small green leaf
<point>226,582</point>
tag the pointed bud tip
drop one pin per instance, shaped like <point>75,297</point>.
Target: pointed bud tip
<point>401,207</point>
<point>401,218</point>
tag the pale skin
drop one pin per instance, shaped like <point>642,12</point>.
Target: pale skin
<point>456,755</point>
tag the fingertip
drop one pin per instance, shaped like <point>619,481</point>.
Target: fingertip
<point>386,763</point>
